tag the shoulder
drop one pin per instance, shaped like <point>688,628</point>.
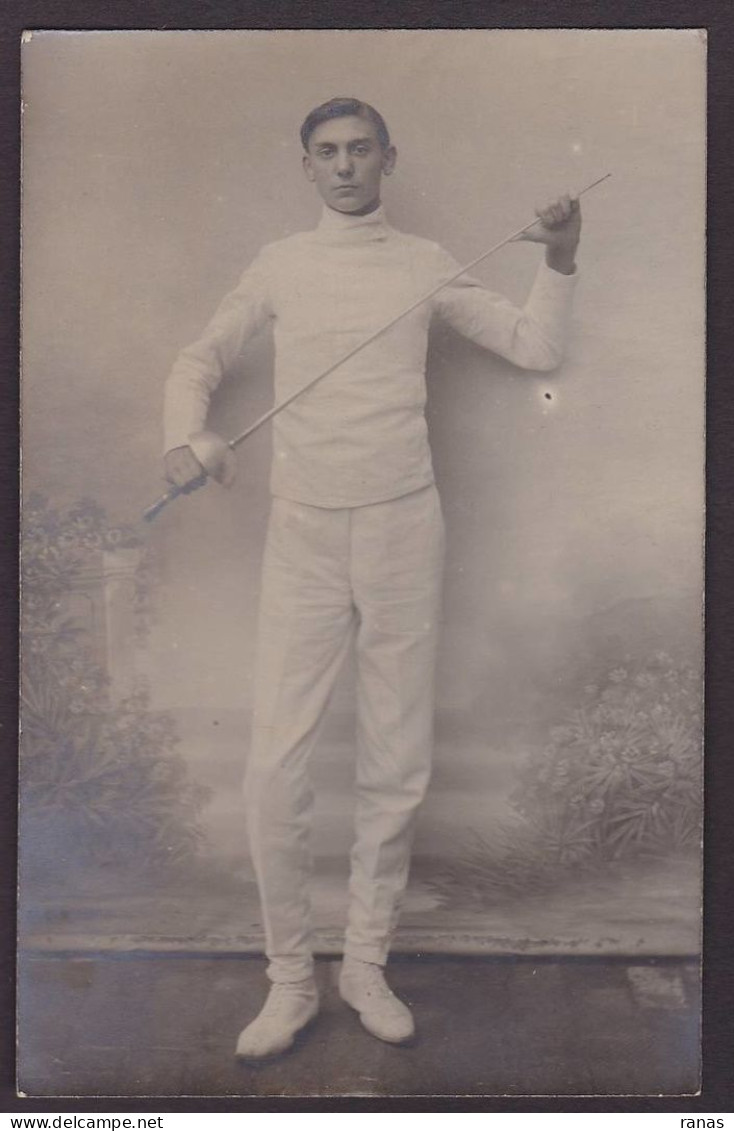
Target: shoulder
<point>286,246</point>
<point>430,252</point>
<point>273,257</point>
<point>417,243</point>
<point>279,259</point>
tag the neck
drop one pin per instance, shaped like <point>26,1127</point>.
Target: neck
<point>365,211</point>
<point>353,226</point>
<point>371,207</point>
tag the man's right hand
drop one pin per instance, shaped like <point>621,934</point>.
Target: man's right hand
<point>183,469</point>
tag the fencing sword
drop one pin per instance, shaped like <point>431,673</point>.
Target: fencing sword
<point>210,448</point>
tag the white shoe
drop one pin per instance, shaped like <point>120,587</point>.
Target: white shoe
<point>362,985</point>
<point>289,1007</point>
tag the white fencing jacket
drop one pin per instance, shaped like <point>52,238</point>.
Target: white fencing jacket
<point>360,435</point>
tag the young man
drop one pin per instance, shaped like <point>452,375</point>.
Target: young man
<point>355,541</point>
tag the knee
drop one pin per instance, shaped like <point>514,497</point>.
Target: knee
<point>275,787</point>
<point>399,788</point>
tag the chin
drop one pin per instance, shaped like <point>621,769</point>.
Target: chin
<point>351,204</point>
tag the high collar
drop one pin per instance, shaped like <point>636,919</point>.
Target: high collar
<point>373,226</point>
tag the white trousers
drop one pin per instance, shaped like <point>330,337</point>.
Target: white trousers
<point>371,576</point>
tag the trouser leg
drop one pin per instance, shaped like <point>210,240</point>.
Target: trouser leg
<point>397,554</point>
<point>306,621</point>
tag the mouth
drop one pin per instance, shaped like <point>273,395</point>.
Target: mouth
<point>346,188</point>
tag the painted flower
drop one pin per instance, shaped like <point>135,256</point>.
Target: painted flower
<point>83,521</point>
<point>67,539</point>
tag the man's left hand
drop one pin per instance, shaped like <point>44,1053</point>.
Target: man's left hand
<point>559,228</point>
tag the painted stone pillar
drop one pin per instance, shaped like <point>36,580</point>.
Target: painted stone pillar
<point>119,602</point>
<point>103,598</point>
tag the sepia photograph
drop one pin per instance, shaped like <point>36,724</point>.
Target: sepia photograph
<point>363,389</point>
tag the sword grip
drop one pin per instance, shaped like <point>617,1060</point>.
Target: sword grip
<point>155,509</point>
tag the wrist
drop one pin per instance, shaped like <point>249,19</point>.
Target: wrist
<point>561,259</point>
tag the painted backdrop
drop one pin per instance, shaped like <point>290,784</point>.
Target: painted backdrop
<point>155,166</point>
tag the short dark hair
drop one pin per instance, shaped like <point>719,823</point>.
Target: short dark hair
<point>344,108</point>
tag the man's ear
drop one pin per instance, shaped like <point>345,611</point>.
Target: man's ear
<point>389,158</point>
<point>307,167</point>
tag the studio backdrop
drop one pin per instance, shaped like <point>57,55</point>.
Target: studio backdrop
<point>564,810</point>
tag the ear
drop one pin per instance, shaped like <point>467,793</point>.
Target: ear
<point>389,159</point>
<point>307,168</point>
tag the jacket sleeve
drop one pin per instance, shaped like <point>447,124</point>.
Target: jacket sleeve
<point>533,337</point>
<point>199,367</point>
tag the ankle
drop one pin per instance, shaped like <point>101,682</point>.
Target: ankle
<point>360,965</point>
<point>305,988</point>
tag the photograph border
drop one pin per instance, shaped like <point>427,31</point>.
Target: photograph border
<point>718,1031</point>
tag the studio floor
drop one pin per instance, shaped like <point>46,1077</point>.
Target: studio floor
<point>152,1025</point>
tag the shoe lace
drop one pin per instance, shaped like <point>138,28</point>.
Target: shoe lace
<point>374,984</point>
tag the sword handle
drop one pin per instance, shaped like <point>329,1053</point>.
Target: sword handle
<point>173,492</point>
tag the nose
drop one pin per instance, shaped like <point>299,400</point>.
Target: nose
<point>344,165</point>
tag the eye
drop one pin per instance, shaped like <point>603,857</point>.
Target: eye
<point>361,150</point>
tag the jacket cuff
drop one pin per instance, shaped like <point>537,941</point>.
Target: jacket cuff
<point>557,278</point>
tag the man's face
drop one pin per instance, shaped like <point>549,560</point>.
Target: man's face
<point>346,161</point>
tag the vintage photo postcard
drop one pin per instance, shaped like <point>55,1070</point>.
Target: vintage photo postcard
<point>363,472</point>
